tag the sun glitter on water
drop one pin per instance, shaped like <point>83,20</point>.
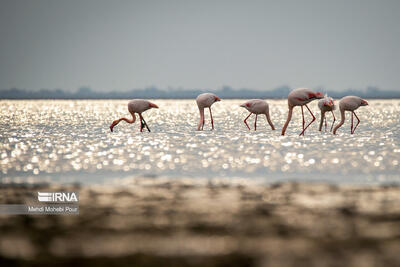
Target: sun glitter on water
<point>70,141</point>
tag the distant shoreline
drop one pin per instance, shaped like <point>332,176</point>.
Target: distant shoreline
<point>180,93</point>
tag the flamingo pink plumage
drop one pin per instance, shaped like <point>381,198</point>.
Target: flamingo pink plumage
<point>257,106</point>
<point>205,101</point>
<point>301,97</point>
<point>349,103</point>
<point>136,106</point>
<point>326,104</point>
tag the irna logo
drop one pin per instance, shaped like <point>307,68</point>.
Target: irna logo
<point>57,197</point>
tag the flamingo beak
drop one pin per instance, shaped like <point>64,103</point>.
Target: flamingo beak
<point>365,103</point>
<point>217,99</point>
<point>152,105</point>
<point>243,105</point>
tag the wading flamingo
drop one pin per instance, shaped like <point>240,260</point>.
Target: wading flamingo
<point>205,101</point>
<point>136,106</point>
<point>326,104</point>
<point>257,106</point>
<point>350,103</point>
<point>301,97</point>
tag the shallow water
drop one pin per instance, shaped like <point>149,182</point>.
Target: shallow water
<point>70,141</point>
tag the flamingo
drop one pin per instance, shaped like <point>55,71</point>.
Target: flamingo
<point>205,101</point>
<point>257,106</point>
<point>136,106</point>
<point>350,103</point>
<point>301,97</point>
<point>325,105</point>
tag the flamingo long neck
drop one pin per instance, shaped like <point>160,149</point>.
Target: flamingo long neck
<point>114,123</point>
<point>201,118</point>
<point>289,117</point>
<point>322,120</point>
<point>127,120</point>
<point>269,120</point>
<point>342,118</point>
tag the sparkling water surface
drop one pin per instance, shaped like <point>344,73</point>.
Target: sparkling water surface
<point>67,141</point>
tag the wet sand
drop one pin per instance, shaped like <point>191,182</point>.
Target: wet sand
<point>154,222</point>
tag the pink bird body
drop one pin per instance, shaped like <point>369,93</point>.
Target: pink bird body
<point>326,104</point>
<point>349,103</point>
<point>136,106</point>
<point>205,101</point>
<point>301,97</point>
<point>257,106</point>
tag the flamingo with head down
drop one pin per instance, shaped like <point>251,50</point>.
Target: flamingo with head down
<point>350,103</point>
<point>301,97</point>
<point>205,101</point>
<point>136,106</point>
<point>257,106</point>
<point>325,105</point>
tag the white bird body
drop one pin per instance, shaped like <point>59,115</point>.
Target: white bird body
<point>139,105</point>
<point>326,104</point>
<point>257,106</point>
<point>350,103</point>
<point>136,106</point>
<point>205,100</point>
<point>301,97</point>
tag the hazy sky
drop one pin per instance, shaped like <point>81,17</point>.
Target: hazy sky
<point>119,45</point>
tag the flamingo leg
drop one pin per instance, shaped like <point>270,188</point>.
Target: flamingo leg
<point>202,125</point>
<point>245,121</point>
<point>255,123</point>
<point>212,122</point>
<point>351,129</point>
<point>302,113</point>
<point>313,119</point>
<point>334,119</point>
<point>321,121</point>
<point>145,124</point>
<point>358,122</point>
<point>141,122</point>
<point>325,124</point>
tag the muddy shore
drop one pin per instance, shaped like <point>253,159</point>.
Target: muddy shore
<point>155,222</point>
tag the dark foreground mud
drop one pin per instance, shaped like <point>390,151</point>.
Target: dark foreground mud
<point>178,223</point>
